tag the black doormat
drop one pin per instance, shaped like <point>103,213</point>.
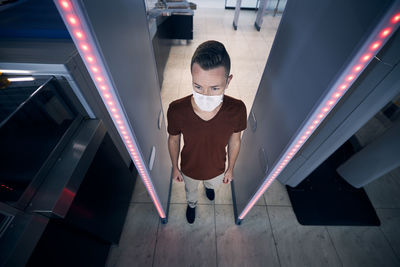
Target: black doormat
<point>324,198</point>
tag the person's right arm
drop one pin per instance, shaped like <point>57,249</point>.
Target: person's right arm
<point>174,147</point>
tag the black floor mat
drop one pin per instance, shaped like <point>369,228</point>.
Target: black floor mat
<point>324,198</point>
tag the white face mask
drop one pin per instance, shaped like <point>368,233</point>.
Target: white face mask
<point>207,102</point>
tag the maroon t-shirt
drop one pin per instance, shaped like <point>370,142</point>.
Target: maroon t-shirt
<point>203,155</point>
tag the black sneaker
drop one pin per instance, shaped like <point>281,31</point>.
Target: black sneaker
<point>190,214</point>
<point>210,194</point>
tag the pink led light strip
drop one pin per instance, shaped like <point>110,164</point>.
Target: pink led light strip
<point>79,30</point>
<point>376,41</point>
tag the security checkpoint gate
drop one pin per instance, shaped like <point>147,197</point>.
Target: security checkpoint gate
<point>309,89</point>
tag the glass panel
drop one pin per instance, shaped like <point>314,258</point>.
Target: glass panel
<point>28,136</point>
<point>13,94</point>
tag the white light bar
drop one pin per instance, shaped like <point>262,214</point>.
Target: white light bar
<point>21,79</point>
<point>374,43</point>
<point>79,30</point>
<point>15,71</point>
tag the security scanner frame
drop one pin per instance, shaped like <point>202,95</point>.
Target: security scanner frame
<point>260,14</point>
<point>261,10</point>
<point>318,114</point>
<point>93,37</point>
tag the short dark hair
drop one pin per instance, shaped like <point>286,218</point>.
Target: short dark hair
<point>210,55</point>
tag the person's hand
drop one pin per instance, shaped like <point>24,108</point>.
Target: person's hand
<point>228,177</point>
<point>176,175</point>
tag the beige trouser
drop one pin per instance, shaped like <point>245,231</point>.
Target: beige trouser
<point>192,184</point>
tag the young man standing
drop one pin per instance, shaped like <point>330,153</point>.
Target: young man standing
<point>209,121</point>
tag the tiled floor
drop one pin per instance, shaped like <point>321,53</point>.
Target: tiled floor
<point>270,234</point>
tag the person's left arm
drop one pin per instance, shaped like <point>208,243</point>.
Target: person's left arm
<point>233,152</point>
